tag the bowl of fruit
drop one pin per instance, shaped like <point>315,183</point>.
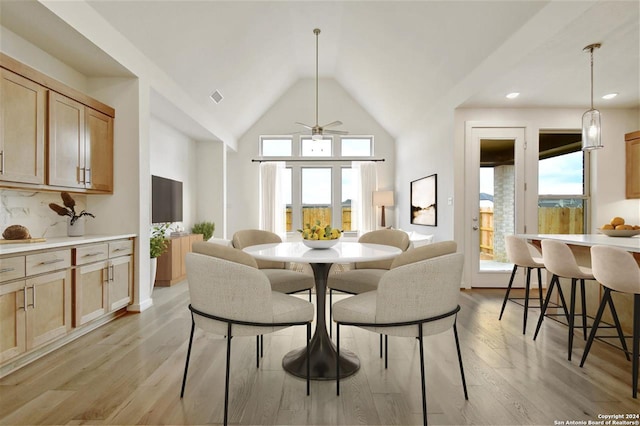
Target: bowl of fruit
<point>618,228</point>
<point>320,236</point>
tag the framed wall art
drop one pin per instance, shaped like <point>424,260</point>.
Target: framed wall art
<point>424,196</point>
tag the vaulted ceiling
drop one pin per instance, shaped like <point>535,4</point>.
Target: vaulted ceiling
<point>398,59</point>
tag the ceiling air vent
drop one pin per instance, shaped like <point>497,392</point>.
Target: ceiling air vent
<point>216,96</point>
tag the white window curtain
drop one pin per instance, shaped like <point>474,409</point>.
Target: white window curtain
<point>272,207</point>
<point>362,209</point>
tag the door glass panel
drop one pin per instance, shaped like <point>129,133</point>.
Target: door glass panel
<point>496,210</point>
<point>316,196</point>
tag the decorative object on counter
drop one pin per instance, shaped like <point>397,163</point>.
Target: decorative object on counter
<point>75,223</point>
<point>158,244</point>
<point>204,228</point>
<point>16,232</point>
<point>319,236</point>
<point>618,228</point>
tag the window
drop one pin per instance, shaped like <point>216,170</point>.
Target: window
<point>562,185</point>
<point>318,183</point>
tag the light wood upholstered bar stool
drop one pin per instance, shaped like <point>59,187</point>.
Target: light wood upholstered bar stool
<point>524,255</point>
<point>617,270</point>
<point>560,261</point>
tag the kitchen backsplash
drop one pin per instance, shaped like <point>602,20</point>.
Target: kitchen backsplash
<point>31,209</point>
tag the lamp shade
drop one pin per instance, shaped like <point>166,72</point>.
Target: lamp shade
<point>591,130</point>
<point>383,198</point>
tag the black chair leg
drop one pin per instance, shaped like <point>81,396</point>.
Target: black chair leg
<point>330,311</point>
<point>338,359</point>
<point>526,301</point>
<point>386,351</point>
<point>464,382</point>
<point>572,309</point>
<point>257,351</point>
<point>616,322</point>
<point>424,390</point>
<point>186,365</point>
<point>635,343</point>
<point>226,381</point>
<point>506,296</point>
<point>308,358</point>
<point>309,295</point>
<point>584,309</point>
<point>543,311</point>
<point>596,323</point>
<point>261,345</point>
<point>540,285</point>
<point>380,345</point>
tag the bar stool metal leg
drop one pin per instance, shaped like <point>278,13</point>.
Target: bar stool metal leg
<point>506,296</point>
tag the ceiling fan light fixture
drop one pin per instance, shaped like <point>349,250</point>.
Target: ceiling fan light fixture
<point>591,122</point>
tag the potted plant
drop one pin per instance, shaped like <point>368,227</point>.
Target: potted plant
<point>204,228</point>
<point>158,244</point>
<point>75,224</point>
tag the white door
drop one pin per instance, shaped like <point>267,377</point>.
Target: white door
<point>494,200</point>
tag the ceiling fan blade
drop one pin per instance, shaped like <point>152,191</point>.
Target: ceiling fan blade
<point>335,132</point>
<point>333,123</point>
<point>304,125</point>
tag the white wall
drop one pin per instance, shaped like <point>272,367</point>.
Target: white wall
<point>173,155</point>
<point>211,184</point>
<point>298,104</point>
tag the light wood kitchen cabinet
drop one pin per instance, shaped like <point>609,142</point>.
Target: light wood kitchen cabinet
<point>80,145</point>
<point>35,310</point>
<point>632,160</point>
<point>171,265</point>
<point>52,136</point>
<point>103,279</point>
<point>22,120</point>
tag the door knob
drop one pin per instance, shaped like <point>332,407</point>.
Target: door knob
<point>475,228</point>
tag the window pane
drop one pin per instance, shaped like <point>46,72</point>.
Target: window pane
<point>316,196</point>
<point>561,175</point>
<point>347,196</point>
<point>276,147</point>
<point>311,148</point>
<point>356,147</point>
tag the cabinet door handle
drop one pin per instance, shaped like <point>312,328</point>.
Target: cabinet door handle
<point>87,176</point>
<point>2,162</point>
<point>33,297</point>
<point>3,270</point>
<point>106,274</point>
<point>49,262</point>
<point>112,273</point>
<point>24,293</point>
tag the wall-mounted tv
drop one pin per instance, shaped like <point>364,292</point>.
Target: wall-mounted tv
<point>166,200</point>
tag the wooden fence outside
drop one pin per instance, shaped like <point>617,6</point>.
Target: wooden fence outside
<point>323,214</point>
<point>551,220</point>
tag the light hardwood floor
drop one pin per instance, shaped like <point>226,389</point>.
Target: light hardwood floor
<point>130,371</point>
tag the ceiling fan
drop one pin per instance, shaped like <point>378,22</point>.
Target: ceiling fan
<point>317,131</point>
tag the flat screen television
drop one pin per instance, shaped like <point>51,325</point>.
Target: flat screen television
<point>166,200</point>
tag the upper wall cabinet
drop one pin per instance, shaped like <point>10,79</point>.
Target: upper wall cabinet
<point>80,145</point>
<point>53,137</point>
<point>632,157</point>
<point>22,123</point>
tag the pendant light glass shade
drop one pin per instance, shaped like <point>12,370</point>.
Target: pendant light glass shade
<point>591,125</point>
<point>591,130</point>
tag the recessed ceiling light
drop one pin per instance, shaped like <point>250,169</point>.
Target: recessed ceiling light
<point>513,95</point>
<point>610,96</point>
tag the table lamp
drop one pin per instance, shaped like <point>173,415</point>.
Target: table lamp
<point>382,199</point>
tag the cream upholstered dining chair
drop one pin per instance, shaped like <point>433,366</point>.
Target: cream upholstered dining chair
<point>560,261</point>
<point>364,276</point>
<point>525,255</point>
<point>412,300</point>
<point>282,279</point>
<point>230,297</point>
<point>617,270</point>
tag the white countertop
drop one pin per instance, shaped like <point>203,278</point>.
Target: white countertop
<point>344,252</point>
<point>631,244</point>
<point>56,242</point>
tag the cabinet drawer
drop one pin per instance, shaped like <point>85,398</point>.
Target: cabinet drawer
<point>49,261</point>
<point>11,268</point>
<point>120,248</point>
<point>92,253</point>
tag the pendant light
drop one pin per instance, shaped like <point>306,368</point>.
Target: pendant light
<point>591,127</point>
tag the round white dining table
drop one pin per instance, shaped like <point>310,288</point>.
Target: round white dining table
<point>322,351</point>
